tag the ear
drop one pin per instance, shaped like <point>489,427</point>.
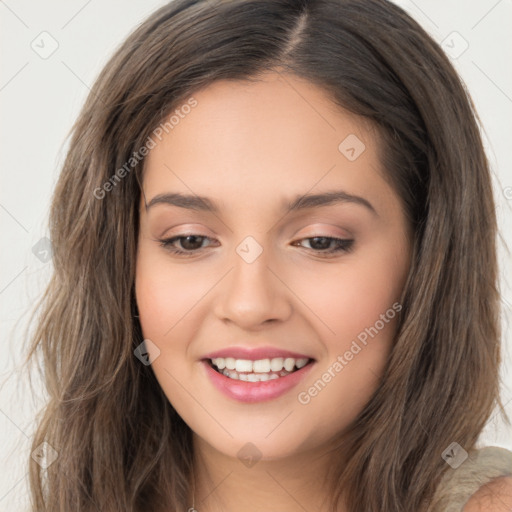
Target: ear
<point>495,496</point>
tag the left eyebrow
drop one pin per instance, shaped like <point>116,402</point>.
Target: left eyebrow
<point>300,202</point>
<point>327,198</point>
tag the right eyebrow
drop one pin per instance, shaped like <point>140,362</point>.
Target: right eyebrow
<point>184,201</point>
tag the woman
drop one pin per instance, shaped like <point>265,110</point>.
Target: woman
<point>275,272</point>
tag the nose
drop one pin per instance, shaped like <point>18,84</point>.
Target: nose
<point>253,295</point>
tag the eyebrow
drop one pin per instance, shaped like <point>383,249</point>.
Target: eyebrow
<point>301,202</point>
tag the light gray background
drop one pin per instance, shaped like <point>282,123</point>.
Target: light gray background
<point>40,99</point>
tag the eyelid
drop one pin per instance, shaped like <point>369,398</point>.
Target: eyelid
<point>331,231</point>
<point>187,230</point>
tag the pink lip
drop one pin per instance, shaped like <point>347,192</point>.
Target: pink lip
<point>253,354</point>
<point>250,392</point>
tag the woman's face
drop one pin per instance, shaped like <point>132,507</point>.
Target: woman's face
<point>264,287</point>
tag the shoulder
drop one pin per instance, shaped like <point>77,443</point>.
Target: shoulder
<point>482,482</point>
<point>495,496</point>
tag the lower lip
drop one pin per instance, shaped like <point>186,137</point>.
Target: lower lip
<point>250,392</point>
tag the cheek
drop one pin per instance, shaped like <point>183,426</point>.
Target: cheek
<point>166,293</point>
<point>167,298</point>
<point>360,304</point>
<point>352,296</point>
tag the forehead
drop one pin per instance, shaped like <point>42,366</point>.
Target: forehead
<point>255,140</point>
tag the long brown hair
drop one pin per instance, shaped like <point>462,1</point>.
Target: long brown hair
<point>120,443</point>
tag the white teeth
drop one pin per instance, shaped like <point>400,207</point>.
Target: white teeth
<point>301,362</point>
<point>219,362</point>
<point>253,377</point>
<point>289,363</point>
<point>259,370</point>
<point>261,365</point>
<point>230,373</point>
<point>243,365</point>
<point>276,364</point>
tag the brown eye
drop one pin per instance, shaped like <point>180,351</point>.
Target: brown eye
<point>191,242</point>
<point>188,244</point>
<point>327,244</point>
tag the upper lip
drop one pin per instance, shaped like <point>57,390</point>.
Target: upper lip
<point>254,354</point>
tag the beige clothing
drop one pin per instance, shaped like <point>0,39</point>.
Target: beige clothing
<point>458,485</point>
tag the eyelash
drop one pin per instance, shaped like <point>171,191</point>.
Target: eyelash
<point>342,245</point>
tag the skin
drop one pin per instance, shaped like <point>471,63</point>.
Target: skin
<point>249,147</point>
<point>496,496</point>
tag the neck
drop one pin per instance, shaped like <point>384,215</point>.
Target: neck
<point>225,484</point>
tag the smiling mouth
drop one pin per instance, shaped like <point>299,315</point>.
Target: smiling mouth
<point>257,371</point>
